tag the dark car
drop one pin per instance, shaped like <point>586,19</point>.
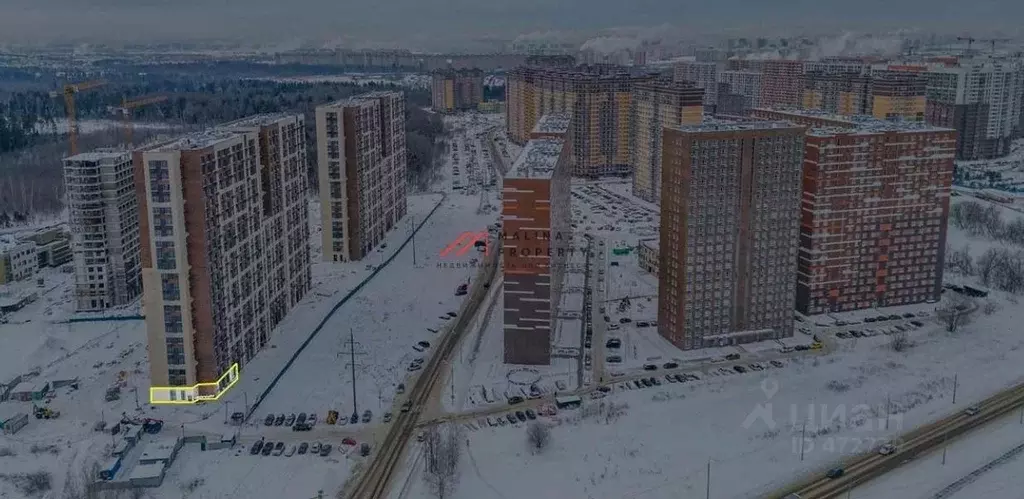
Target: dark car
<point>530,414</point>
<point>777,363</point>
<point>515,399</point>
<point>604,389</point>
<point>452,314</point>
<point>801,348</point>
<point>870,319</point>
<point>908,315</point>
<point>303,447</point>
<point>917,323</point>
<point>732,356</point>
<point>279,420</point>
<point>268,447</point>
<point>834,473</point>
<point>424,344</point>
<point>646,382</point>
<point>364,450</point>
<point>269,421</point>
<point>639,383</point>
<point>670,365</point>
<point>739,369</point>
<point>301,418</point>
<point>613,343</point>
<point>655,381</point>
<point>278,448</point>
<point>643,324</point>
<point>256,447</point>
<point>521,415</point>
<point>650,367</point>
<point>894,317</point>
<point>354,419</point>
<point>587,344</point>
<point>302,427</point>
<point>511,419</point>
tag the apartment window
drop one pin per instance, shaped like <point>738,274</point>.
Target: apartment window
<point>165,255</point>
<point>163,222</point>
<point>172,319</point>
<point>159,181</point>
<point>171,290</point>
<point>176,377</point>
<point>175,351</point>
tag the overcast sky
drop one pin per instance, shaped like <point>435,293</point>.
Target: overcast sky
<point>413,22</point>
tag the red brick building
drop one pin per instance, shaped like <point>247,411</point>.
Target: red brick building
<point>875,207</point>
<point>782,84</point>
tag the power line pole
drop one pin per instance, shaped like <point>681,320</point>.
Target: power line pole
<point>412,226</point>
<point>955,383</point>
<point>803,433</point>
<point>352,344</point>
<point>887,402</point>
<point>945,436</point>
<point>707,494</point>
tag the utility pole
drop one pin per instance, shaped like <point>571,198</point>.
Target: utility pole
<point>803,433</point>
<point>352,344</point>
<point>955,383</point>
<point>945,436</point>
<point>707,494</point>
<point>887,401</point>
<point>226,412</point>
<point>412,227</point>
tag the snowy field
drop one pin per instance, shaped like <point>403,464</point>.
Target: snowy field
<point>1006,173</point>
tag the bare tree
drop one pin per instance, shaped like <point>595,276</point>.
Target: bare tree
<point>442,451</point>
<point>538,435</point>
<point>988,263</point>
<point>954,312</point>
<point>960,260</point>
<point>899,341</point>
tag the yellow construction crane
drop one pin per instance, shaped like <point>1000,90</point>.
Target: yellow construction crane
<point>126,112</point>
<point>69,92</point>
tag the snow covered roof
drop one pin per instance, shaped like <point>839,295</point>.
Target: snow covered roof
<point>854,123</point>
<point>143,471</point>
<point>258,120</point>
<point>734,126</point>
<point>553,123</point>
<point>160,450</point>
<point>196,140</point>
<point>538,159</point>
<point>99,155</point>
<point>8,242</point>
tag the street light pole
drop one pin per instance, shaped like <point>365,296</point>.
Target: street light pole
<point>955,383</point>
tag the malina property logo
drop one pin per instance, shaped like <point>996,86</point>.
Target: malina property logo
<point>465,242</point>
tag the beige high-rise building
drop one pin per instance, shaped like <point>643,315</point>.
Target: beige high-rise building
<point>598,98</point>
<point>218,269</point>
<point>730,216</point>
<point>456,89</point>
<point>656,105</point>
<point>361,171</point>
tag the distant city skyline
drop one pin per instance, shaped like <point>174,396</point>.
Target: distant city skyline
<point>462,23</point>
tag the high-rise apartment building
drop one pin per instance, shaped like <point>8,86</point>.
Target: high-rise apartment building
<point>730,214</point>
<point>599,100</point>
<point>103,213</point>
<point>701,74</point>
<point>361,170</point>
<point>729,102</point>
<point>285,208</point>
<point>782,83</point>
<point>745,83</point>
<point>212,252</point>
<point>874,214</point>
<point>456,89</point>
<point>837,65</point>
<point>980,99</point>
<point>536,244</point>
<point>656,105</point>
<point>838,93</point>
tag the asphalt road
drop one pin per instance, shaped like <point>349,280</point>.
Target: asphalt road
<point>864,467</point>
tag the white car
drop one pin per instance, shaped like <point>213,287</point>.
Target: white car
<point>311,420</point>
<point>315,448</point>
<point>290,451</point>
<point>887,449</point>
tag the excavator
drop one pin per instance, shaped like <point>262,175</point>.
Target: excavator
<point>44,412</point>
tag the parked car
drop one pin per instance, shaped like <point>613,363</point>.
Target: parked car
<point>301,427</point>
<point>387,417</point>
<point>268,447</point>
<point>256,447</point>
<point>452,314</point>
<point>400,389</point>
<point>613,343</point>
<point>348,441</point>
<point>887,448</point>
<point>424,344</point>
<point>643,324</point>
<point>646,382</point>
<point>777,363</point>
<point>515,399</point>
<point>325,450</point>
<point>418,348</point>
<point>301,418</point>
<point>530,414</point>
<point>315,448</point>
<point>834,473</point>
<point>739,369</point>
<point>269,421</point>
<point>406,406</point>
<point>511,419</point>
<point>311,420</point>
<point>732,356</point>
<point>290,420</point>
<point>972,410</point>
<point>278,448</point>
<point>367,416</point>
<point>655,381</point>
<point>279,420</point>
<point>670,365</point>
<point>650,367</point>
<point>521,415</point>
<point>364,450</point>
<point>303,447</point>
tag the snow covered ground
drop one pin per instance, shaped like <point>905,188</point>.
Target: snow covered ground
<point>60,126</point>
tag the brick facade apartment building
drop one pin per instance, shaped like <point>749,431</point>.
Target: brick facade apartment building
<point>704,75</point>
<point>212,254</point>
<point>103,214</point>
<point>730,209</point>
<point>782,83</point>
<point>456,89</point>
<point>537,237</point>
<point>598,97</point>
<point>893,96</point>
<point>361,169</point>
<point>656,105</point>
<point>874,213</point>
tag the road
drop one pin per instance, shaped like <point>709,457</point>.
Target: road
<point>862,468</point>
<point>375,480</point>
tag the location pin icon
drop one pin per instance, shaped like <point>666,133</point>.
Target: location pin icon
<point>770,387</point>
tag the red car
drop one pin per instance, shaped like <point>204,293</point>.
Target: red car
<point>348,441</point>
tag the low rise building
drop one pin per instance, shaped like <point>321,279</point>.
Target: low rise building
<point>53,246</point>
<point>647,254</point>
<point>18,259</point>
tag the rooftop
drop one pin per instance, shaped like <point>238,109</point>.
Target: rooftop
<point>553,123</point>
<point>142,471</point>
<point>258,120</point>
<point>858,123</point>
<point>8,241</point>
<point>99,155</point>
<point>193,141</point>
<point>717,125</point>
<point>538,159</point>
<point>362,99</point>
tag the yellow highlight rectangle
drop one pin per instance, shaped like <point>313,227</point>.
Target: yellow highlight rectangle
<point>192,394</point>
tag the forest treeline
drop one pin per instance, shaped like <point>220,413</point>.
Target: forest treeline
<point>30,155</point>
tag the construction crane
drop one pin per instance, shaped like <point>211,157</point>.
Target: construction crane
<point>126,112</point>
<point>69,92</point>
<point>970,40</point>
<point>993,41</point>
